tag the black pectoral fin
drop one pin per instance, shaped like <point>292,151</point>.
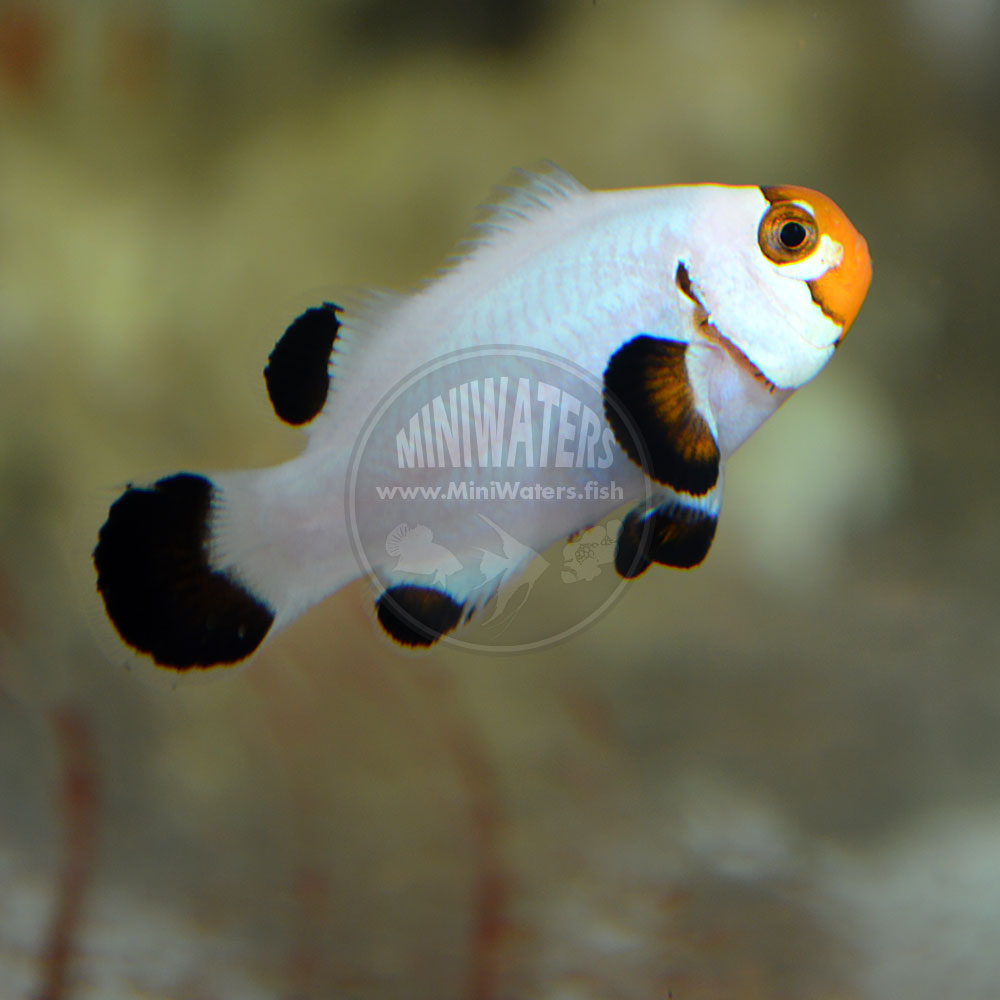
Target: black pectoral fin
<point>414,615</point>
<point>675,534</point>
<point>650,406</point>
<point>297,372</point>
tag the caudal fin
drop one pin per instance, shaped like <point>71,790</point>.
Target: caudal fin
<point>159,587</point>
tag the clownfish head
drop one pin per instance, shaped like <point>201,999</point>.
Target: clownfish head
<point>806,236</point>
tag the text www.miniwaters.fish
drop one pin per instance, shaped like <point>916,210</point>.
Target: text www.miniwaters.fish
<point>498,490</point>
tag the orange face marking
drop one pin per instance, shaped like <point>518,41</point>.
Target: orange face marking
<point>839,292</point>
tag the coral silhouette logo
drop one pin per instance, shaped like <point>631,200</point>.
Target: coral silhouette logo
<point>487,476</point>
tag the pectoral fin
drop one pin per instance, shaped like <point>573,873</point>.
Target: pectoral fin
<point>650,406</point>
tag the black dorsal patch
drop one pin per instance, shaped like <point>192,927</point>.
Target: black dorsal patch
<point>417,616</point>
<point>647,379</point>
<point>673,535</point>
<point>298,369</point>
<point>158,588</point>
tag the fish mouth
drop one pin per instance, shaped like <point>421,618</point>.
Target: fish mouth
<point>713,334</point>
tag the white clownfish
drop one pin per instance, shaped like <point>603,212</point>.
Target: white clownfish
<point>693,311</point>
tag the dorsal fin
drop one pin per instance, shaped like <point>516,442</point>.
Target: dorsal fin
<point>298,369</point>
<point>365,312</point>
<point>521,198</point>
<point>299,372</point>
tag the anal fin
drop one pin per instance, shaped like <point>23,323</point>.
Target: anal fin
<point>416,615</point>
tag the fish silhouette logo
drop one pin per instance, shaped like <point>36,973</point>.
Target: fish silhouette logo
<point>416,553</point>
<point>503,574</point>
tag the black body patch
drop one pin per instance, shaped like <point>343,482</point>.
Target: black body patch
<point>647,378</point>
<point>672,535</point>
<point>159,591</point>
<point>417,616</point>
<point>297,372</point>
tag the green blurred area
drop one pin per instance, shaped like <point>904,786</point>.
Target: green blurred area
<point>777,776</point>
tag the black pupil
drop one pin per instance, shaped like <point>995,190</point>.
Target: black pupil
<point>792,235</point>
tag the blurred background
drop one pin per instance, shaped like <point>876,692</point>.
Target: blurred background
<point>777,776</point>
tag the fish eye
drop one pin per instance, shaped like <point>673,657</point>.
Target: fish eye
<point>792,235</point>
<point>788,232</point>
